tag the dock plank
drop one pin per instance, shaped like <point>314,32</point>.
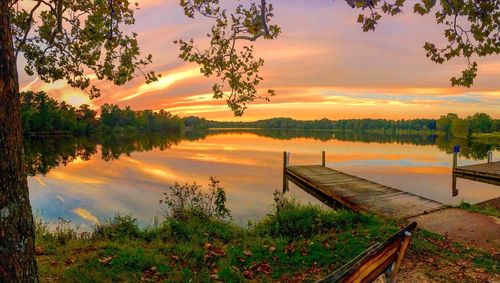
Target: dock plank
<point>485,170</point>
<point>360,194</point>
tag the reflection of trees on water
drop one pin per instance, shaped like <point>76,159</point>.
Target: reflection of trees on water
<point>41,154</point>
<point>113,146</point>
<point>468,148</point>
<point>44,153</point>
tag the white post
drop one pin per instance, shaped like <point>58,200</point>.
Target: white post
<point>490,156</point>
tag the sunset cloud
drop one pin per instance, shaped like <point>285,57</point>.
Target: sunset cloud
<point>85,214</point>
<point>322,65</point>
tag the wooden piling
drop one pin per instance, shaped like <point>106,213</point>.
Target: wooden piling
<point>455,155</point>
<point>454,190</point>
<point>285,165</point>
<point>323,159</point>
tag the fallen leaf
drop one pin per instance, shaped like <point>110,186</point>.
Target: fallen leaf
<point>107,260</point>
<point>39,250</point>
<point>326,244</point>
<point>248,274</point>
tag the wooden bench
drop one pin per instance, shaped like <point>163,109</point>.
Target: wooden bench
<point>377,259</point>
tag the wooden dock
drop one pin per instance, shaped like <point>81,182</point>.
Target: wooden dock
<point>357,193</point>
<point>487,172</point>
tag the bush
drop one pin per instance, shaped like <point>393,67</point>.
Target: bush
<point>120,227</point>
<point>188,199</point>
<point>292,219</point>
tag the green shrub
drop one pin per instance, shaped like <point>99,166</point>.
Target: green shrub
<point>183,200</point>
<point>120,227</point>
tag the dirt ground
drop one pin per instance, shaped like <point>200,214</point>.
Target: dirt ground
<point>468,228</point>
<point>417,270</point>
<point>492,202</point>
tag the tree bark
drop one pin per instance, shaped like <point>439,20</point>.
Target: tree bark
<point>17,233</point>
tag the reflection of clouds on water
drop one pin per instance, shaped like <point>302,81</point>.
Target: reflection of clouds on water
<point>248,165</point>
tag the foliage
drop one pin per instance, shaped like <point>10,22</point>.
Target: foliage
<point>471,28</point>
<point>195,122</point>
<point>483,209</point>
<point>120,227</point>
<point>115,119</point>
<point>77,40</point>
<point>235,65</point>
<point>290,219</point>
<point>452,125</point>
<point>44,115</point>
<point>203,249</point>
<point>200,249</point>
<point>183,200</point>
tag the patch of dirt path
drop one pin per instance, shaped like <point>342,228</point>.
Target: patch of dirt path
<point>462,226</point>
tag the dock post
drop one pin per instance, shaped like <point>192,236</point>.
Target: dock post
<point>285,165</point>
<point>454,190</point>
<point>455,154</point>
<point>323,158</point>
<point>490,156</point>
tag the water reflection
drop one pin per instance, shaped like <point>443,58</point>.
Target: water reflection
<point>88,179</point>
<point>45,153</point>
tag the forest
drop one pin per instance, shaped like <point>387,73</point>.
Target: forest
<point>42,114</point>
<point>449,125</point>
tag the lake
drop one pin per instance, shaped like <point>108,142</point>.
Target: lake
<point>87,180</point>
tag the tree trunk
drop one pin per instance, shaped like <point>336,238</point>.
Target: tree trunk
<point>17,233</point>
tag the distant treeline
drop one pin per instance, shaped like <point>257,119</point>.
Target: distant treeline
<point>450,125</point>
<point>479,123</point>
<point>44,115</point>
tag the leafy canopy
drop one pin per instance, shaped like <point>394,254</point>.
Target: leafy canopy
<point>235,65</point>
<point>76,40</point>
<point>472,30</point>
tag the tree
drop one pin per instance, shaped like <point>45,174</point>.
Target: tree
<point>460,128</point>
<point>481,123</point>
<point>443,124</point>
<point>59,40</point>
<point>471,30</point>
<point>72,39</point>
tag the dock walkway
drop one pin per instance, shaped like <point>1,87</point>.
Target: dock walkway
<point>359,194</point>
<point>486,171</point>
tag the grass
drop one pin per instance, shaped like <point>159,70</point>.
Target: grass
<point>294,242</point>
<point>483,209</point>
<point>446,261</point>
<point>489,138</point>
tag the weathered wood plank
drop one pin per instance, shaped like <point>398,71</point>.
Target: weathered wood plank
<point>375,260</point>
<point>360,194</point>
<point>489,171</point>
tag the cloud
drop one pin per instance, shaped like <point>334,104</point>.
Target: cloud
<point>322,65</point>
<point>164,82</point>
<point>85,214</point>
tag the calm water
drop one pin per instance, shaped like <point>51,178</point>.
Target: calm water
<point>86,180</point>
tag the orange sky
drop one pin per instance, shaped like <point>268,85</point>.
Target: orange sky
<point>322,65</point>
